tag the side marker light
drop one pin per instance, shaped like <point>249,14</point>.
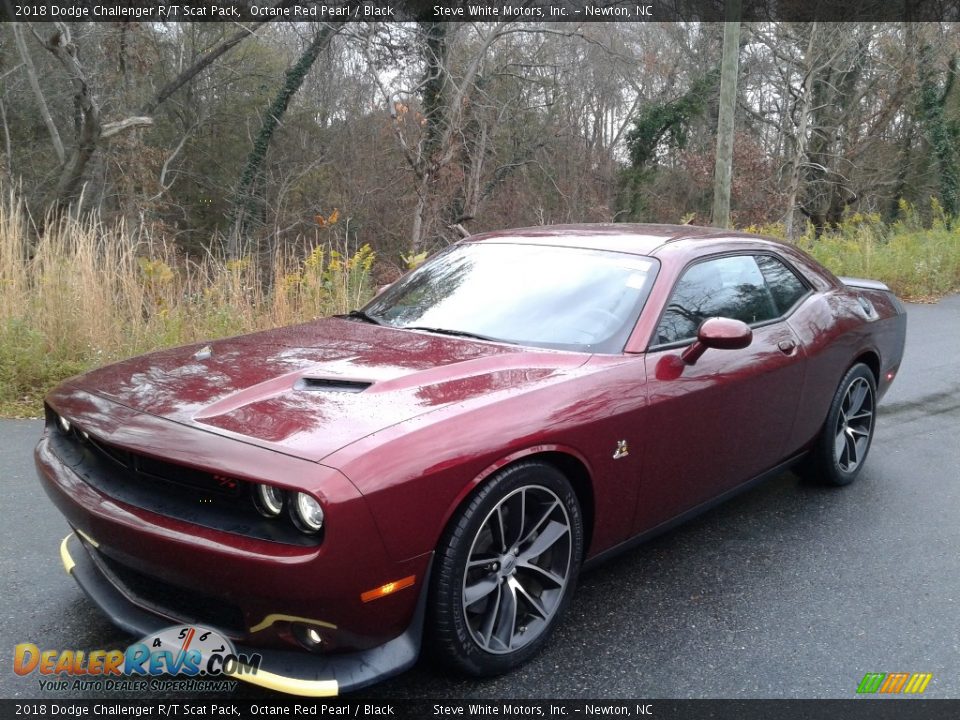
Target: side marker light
<point>388,589</point>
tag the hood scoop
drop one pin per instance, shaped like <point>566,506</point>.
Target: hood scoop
<point>309,384</point>
<point>274,389</point>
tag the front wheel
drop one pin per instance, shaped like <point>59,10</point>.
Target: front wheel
<point>841,449</point>
<point>506,569</point>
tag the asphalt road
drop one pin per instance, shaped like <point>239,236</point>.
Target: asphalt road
<point>790,590</point>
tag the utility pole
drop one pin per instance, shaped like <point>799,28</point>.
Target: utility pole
<point>728,106</point>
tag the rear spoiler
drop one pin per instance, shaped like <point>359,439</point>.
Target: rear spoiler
<point>864,284</point>
<point>873,285</point>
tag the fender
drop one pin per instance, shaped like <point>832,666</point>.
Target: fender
<point>513,457</point>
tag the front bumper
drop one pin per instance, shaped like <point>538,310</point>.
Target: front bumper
<point>149,569</point>
<point>298,673</point>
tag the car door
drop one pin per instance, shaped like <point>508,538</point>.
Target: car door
<point>725,419</point>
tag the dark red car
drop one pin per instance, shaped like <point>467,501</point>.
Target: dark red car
<point>438,467</point>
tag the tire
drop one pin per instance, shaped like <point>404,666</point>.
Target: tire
<point>841,449</point>
<point>481,573</point>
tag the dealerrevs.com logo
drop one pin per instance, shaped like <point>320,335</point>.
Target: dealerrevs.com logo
<point>198,658</point>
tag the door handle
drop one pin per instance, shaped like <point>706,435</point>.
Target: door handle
<point>787,346</point>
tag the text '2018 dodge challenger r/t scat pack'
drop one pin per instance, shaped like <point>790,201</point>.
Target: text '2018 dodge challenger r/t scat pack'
<point>435,469</point>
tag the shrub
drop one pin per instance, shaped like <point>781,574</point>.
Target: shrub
<point>918,262</point>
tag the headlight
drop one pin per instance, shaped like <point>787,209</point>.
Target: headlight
<point>307,513</point>
<point>268,499</point>
<point>64,423</point>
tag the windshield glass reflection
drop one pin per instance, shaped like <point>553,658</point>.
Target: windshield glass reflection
<point>554,297</point>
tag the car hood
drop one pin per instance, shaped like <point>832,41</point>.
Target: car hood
<point>309,390</point>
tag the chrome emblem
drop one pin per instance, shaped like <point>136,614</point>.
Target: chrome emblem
<point>621,450</point>
<point>203,353</point>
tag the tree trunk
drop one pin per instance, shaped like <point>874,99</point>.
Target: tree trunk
<point>87,112</point>
<point>434,94</point>
<point>827,191</point>
<point>800,151</point>
<point>419,215</point>
<point>437,119</point>
<point>89,127</point>
<point>38,93</point>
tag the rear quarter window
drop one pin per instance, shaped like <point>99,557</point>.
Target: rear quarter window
<point>785,287</point>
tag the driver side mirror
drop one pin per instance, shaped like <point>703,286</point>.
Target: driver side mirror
<point>719,333</point>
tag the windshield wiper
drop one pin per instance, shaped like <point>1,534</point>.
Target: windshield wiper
<point>455,333</point>
<point>361,315</point>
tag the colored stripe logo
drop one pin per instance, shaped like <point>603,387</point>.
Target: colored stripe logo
<point>894,683</point>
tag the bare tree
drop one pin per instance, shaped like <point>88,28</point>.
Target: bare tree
<point>418,132</point>
<point>27,62</point>
<point>800,136</point>
<point>449,86</point>
<point>90,130</point>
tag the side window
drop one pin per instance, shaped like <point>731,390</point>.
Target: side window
<point>784,285</point>
<point>730,287</point>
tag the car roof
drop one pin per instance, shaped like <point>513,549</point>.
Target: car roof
<point>641,239</point>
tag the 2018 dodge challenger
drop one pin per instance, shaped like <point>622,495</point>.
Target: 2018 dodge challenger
<point>437,468</point>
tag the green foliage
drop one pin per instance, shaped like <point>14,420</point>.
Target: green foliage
<point>659,128</point>
<point>919,260</point>
<point>30,365</point>
<point>942,134</point>
<point>631,199</point>
<point>414,260</point>
<point>916,262</point>
<point>434,80</point>
<point>669,122</point>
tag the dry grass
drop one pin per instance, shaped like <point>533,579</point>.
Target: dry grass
<point>85,294</point>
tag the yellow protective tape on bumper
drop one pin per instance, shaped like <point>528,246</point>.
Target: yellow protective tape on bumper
<point>293,686</point>
<point>68,563</point>
<point>279,617</point>
<point>86,537</point>
<point>269,680</point>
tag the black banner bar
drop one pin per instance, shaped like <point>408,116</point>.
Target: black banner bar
<point>482,10</point>
<point>899,708</point>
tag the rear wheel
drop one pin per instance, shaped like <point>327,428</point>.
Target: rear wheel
<point>842,447</point>
<point>506,569</point>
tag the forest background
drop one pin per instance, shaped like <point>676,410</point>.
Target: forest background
<point>164,183</point>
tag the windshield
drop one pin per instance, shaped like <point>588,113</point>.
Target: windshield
<point>544,296</point>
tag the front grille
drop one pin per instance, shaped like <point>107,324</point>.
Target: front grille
<point>196,496</point>
<point>176,603</point>
<point>149,468</point>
